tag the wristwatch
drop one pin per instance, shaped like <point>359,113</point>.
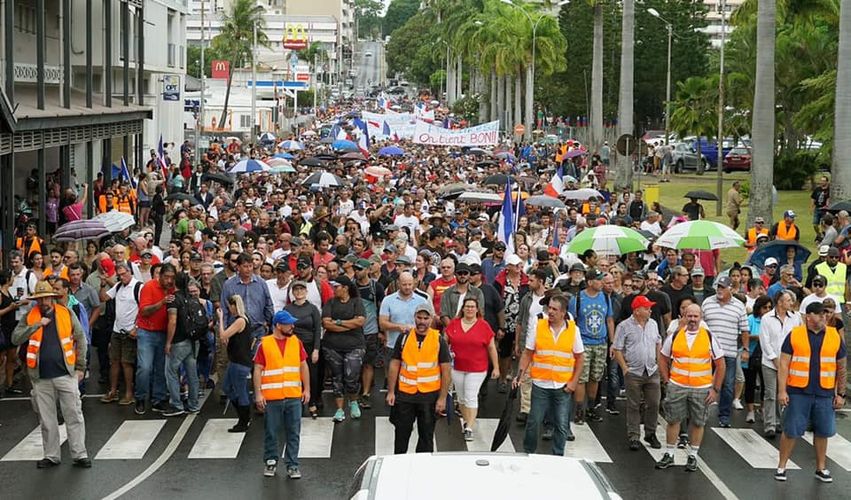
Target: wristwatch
<point>717,391</point>
<point>338,322</point>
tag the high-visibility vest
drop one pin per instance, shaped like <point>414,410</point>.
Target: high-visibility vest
<point>35,246</point>
<point>786,234</point>
<point>553,359</point>
<point>835,279</point>
<point>63,272</point>
<point>124,204</point>
<point>692,367</point>
<point>420,371</point>
<point>799,368</point>
<point>586,209</point>
<point>63,326</point>
<point>281,376</point>
<point>752,236</point>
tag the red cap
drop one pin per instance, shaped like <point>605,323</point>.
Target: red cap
<point>108,266</point>
<point>642,301</point>
<point>552,250</point>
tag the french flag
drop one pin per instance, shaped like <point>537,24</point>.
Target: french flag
<point>161,157</point>
<point>556,185</point>
<point>125,173</point>
<point>363,137</point>
<point>389,133</point>
<point>505,230</point>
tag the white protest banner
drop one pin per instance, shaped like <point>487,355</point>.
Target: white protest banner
<point>486,134</point>
<point>401,124</point>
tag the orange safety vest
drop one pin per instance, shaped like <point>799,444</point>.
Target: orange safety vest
<point>786,234</point>
<point>752,236</point>
<point>420,371</point>
<point>553,359</point>
<point>35,246</point>
<point>63,273</point>
<point>692,367</point>
<point>66,335</point>
<point>124,204</point>
<point>281,377</point>
<point>799,368</point>
<point>586,209</point>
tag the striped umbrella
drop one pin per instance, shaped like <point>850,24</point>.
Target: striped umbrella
<point>283,169</point>
<point>323,179</point>
<point>81,230</point>
<point>115,221</point>
<point>291,146</point>
<point>248,166</point>
<point>609,240</point>
<point>700,235</point>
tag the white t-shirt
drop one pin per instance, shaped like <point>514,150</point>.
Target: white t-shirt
<point>126,307</point>
<point>715,348</point>
<point>412,223</point>
<point>654,228</point>
<point>534,310</point>
<point>809,299</point>
<point>26,288</point>
<point>578,348</point>
<point>346,207</point>
<point>279,294</point>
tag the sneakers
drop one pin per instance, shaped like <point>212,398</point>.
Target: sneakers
<point>126,401</point>
<point>653,441</point>
<point>365,402</point>
<point>354,409</point>
<point>611,410</point>
<point>751,418</point>
<point>691,464</point>
<point>193,411</point>
<point>634,445</point>
<point>46,463</point>
<point>579,419</point>
<point>824,476</point>
<point>293,473</point>
<point>737,404</point>
<point>780,475</point>
<point>340,415</point>
<point>468,434</point>
<point>666,461</point>
<point>159,407</point>
<point>682,442</point>
<point>725,425</point>
<point>270,468</point>
<point>547,435</point>
<point>140,408</point>
<point>591,416</point>
<point>770,434</point>
<point>109,397</point>
<point>522,417</point>
<point>173,411</point>
<point>83,463</point>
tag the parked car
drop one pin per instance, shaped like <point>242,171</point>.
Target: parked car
<point>738,159</point>
<point>478,475</point>
<point>709,149</point>
<point>685,158</point>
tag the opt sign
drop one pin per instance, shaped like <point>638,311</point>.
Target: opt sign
<point>171,87</point>
<point>220,69</point>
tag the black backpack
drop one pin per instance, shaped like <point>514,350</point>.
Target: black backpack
<point>107,318</point>
<point>193,318</point>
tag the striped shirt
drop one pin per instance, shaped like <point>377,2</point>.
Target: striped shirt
<point>726,322</point>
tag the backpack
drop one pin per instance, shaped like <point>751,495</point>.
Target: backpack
<point>193,318</point>
<point>107,317</point>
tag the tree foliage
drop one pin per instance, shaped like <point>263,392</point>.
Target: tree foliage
<point>398,13</point>
<point>368,13</point>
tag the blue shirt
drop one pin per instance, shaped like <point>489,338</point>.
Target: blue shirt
<point>399,310</point>
<point>774,289</point>
<point>813,386</point>
<point>490,269</point>
<point>255,297</point>
<point>591,317</point>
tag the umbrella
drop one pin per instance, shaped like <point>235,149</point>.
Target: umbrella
<point>478,152</point>
<point>840,205</point>
<point>115,221</point>
<point>219,177</point>
<point>505,155</point>
<point>279,162</point>
<point>569,178</point>
<point>777,249</point>
<point>477,197</point>
<point>545,201</point>
<point>81,230</point>
<point>391,151</point>
<point>497,179</point>
<point>267,137</point>
<point>504,421</point>
<point>573,153</point>
<point>285,156</point>
<point>581,194</point>
<point>308,133</point>
<point>323,179</point>
<point>231,139</point>
<point>354,155</point>
<point>183,197</point>
<point>283,169</point>
<point>486,163</point>
<point>312,162</point>
<point>326,140</point>
<point>701,195</point>
<point>250,165</point>
<point>377,171</point>
<point>451,191</point>
<point>326,156</point>
<point>343,145</point>
<point>700,235</point>
<point>609,240</point>
<point>291,145</point>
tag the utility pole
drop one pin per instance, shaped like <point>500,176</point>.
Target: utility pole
<point>719,162</point>
<point>254,84</point>
<point>200,122</point>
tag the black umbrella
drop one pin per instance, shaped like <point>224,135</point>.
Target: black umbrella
<point>498,179</point>
<point>183,197</point>
<point>326,156</point>
<point>312,162</point>
<point>504,421</point>
<point>839,206</point>
<point>701,195</point>
<point>217,177</point>
<point>486,163</point>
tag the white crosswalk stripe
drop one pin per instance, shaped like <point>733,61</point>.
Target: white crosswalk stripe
<point>752,448</point>
<point>30,448</point>
<point>316,438</point>
<point>131,440</point>
<point>838,449</point>
<point>216,442</point>
<point>586,445</point>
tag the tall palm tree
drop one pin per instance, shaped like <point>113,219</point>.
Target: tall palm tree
<point>236,39</point>
<point>625,96</point>
<point>841,172</point>
<point>597,78</point>
<point>762,130</point>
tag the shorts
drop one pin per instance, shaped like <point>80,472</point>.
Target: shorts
<point>505,346</point>
<point>144,203</point>
<point>685,402</point>
<point>594,366</point>
<point>804,409</point>
<point>371,355</point>
<point>122,349</point>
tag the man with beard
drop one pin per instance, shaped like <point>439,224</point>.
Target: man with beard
<point>318,292</point>
<point>661,312</point>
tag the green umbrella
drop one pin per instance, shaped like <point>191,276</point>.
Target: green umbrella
<point>700,235</point>
<point>609,240</point>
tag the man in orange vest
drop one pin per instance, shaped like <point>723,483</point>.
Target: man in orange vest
<point>30,243</point>
<point>56,362</point>
<point>811,381</point>
<point>281,387</point>
<point>418,381</point>
<point>752,235</point>
<point>553,356</point>
<point>786,229</point>
<point>687,360</point>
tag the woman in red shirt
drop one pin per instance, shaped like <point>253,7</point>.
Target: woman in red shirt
<point>471,341</point>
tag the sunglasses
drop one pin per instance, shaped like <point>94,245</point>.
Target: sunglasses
<point>818,285</point>
<point>463,273</point>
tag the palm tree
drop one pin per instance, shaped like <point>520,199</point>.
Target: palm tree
<point>762,130</point>
<point>840,172</point>
<point>625,96</point>
<point>597,78</point>
<point>237,37</point>
<point>693,109</point>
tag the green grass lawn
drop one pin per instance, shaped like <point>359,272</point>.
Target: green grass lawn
<point>671,197</point>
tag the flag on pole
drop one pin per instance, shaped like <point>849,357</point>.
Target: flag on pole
<point>556,185</point>
<point>505,230</point>
<point>556,243</point>
<point>125,173</point>
<point>161,158</point>
<point>363,137</point>
<point>520,209</point>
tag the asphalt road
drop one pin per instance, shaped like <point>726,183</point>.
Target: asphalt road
<point>193,457</point>
<point>369,64</point>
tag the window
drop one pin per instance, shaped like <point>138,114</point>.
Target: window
<point>244,121</point>
<point>25,20</point>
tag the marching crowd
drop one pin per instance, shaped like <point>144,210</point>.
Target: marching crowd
<point>268,290</point>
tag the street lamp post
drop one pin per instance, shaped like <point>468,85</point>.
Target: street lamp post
<point>254,82</point>
<point>655,13</point>
<point>719,162</point>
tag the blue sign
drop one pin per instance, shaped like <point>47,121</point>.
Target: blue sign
<point>293,85</point>
<point>171,87</point>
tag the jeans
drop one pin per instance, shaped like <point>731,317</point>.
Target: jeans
<point>648,389</point>
<point>205,356</point>
<point>558,404</point>
<point>402,416</point>
<point>235,384</point>
<point>725,405</point>
<point>150,364</point>
<point>182,353</point>
<point>284,413</point>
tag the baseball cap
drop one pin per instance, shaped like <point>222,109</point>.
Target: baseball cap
<point>771,261</point>
<point>833,252</point>
<point>282,266</point>
<point>194,256</point>
<point>823,250</point>
<point>342,281</point>
<point>594,274</point>
<point>759,220</point>
<point>513,260</point>
<point>723,282</point>
<point>149,253</point>
<point>390,247</point>
<point>303,263</point>
<point>424,307</point>
<point>642,301</point>
<point>815,308</point>
<point>789,213</point>
<point>210,246</point>
<point>578,266</point>
<point>698,271</point>
<point>283,317</point>
<point>391,227</point>
<point>296,241</point>
<point>108,266</point>
<point>475,268</point>
<point>820,279</point>
<point>499,246</point>
<point>404,259</point>
<point>299,283</point>
<point>543,254</point>
<point>462,268</point>
<point>362,264</point>
<point>642,275</point>
<point>350,258</point>
<point>482,218</point>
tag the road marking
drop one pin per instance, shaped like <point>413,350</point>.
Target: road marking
<point>838,449</point>
<point>385,436</point>
<point>752,448</point>
<point>31,448</point>
<point>316,438</point>
<point>28,398</point>
<point>586,445</point>
<point>131,440</point>
<point>483,437</point>
<point>216,442</point>
<point>680,455</point>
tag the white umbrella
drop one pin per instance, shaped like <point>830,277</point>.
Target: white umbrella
<point>250,165</point>
<point>582,194</point>
<point>115,221</point>
<point>477,197</point>
<point>323,179</point>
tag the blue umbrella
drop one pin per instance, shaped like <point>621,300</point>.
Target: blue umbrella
<point>267,137</point>
<point>391,151</point>
<point>247,166</point>
<point>343,145</point>
<point>285,156</point>
<point>777,249</point>
<point>291,145</point>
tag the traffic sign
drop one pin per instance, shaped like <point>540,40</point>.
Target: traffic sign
<point>627,145</point>
<point>519,129</point>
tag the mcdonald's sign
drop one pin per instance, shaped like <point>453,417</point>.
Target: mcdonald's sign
<point>220,69</point>
<point>295,36</point>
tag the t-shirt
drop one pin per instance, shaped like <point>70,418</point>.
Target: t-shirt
<point>399,310</point>
<point>350,339</point>
<point>152,292</point>
<point>126,308</point>
<point>443,356</point>
<point>471,346</point>
<point>260,358</point>
<point>438,286</point>
<point>820,197</point>
<point>51,358</point>
<point>591,316</point>
<point>813,384</point>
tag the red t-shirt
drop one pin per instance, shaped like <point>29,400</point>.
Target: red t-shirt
<point>151,293</point>
<point>438,286</point>
<point>260,359</point>
<point>470,347</point>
